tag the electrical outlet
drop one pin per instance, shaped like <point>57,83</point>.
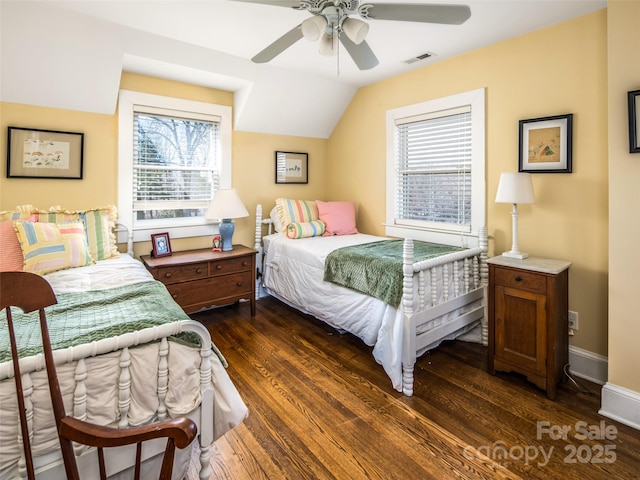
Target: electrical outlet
<point>573,320</point>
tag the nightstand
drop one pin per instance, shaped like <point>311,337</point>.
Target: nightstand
<point>202,278</point>
<point>528,319</point>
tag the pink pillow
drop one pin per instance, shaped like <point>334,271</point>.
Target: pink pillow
<point>11,259</point>
<point>339,217</point>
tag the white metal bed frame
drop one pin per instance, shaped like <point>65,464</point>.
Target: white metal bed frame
<point>469,265</point>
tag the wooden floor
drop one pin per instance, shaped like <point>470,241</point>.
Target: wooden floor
<point>322,408</point>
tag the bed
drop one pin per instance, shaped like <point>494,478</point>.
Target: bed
<point>117,373</point>
<point>442,298</point>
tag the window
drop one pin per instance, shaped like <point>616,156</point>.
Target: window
<point>173,155</point>
<point>435,168</point>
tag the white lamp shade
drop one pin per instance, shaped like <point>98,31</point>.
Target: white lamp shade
<point>515,188</point>
<point>313,27</point>
<point>329,44</point>
<point>355,29</point>
<point>226,204</point>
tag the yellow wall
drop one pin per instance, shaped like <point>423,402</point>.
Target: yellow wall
<point>558,70</point>
<point>561,69</point>
<point>624,198</point>
<point>253,160</point>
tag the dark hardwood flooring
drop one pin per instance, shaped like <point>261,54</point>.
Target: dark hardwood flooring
<point>320,407</point>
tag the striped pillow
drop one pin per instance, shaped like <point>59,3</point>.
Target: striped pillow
<point>21,212</point>
<point>48,247</point>
<point>99,222</point>
<point>296,211</point>
<point>305,229</point>
<point>11,259</point>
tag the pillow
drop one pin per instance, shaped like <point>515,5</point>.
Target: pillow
<point>48,247</point>
<point>21,212</point>
<point>305,229</point>
<point>11,259</point>
<point>296,211</point>
<point>339,217</point>
<point>275,220</point>
<point>99,224</point>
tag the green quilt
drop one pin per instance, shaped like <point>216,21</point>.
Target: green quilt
<point>85,317</point>
<point>375,269</point>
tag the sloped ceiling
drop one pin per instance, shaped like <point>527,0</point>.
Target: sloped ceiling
<point>71,55</point>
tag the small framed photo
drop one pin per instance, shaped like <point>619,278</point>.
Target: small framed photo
<point>634,121</point>
<point>546,144</point>
<point>34,153</point>
<point>161,245</point>
<point>292,167</point>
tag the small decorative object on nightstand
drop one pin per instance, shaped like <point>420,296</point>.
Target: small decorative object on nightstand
<point>202,278</point>
<point>528,319</point>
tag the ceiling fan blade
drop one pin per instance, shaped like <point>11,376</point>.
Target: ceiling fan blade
<point>279,46</point>
<point>275,3</point>
<point>361,53</point>
<point>415,12</point>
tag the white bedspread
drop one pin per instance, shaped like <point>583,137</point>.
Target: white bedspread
<point>293,272</point>
<point>183,395</point>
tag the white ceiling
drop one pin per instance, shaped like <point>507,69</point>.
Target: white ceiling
<point>70,54</point>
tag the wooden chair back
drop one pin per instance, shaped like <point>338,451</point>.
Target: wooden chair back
<point>30,292</point>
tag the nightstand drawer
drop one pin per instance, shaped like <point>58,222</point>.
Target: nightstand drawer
<point>182,273</point>
<point>522,280</point>
<point>213,290</point>
<point>222,267</point>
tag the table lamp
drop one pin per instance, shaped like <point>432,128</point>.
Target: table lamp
<point>515,188</point>
<point>225,206</point>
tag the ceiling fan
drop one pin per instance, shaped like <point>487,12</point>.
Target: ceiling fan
<point>331,23</point>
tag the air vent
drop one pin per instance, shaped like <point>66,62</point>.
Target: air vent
<point>420,57</point>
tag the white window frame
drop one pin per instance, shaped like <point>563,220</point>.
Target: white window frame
<point>180,228</point>
<point>441,234</point>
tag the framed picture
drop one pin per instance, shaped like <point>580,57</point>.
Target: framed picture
<point>33,153</point>
<point>161,245</point>
<point>292,167</point>
<point>545,144</point>
<point>634,121</point>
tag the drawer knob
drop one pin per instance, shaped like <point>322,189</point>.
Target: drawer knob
<point>518,278</point>
<point>238,284</point>
<point>167,275</point>
<point>245,263</point>
<point>218,267</point>
<point>198,270</point>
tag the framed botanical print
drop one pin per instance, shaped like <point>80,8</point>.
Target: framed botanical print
<point>35,153</point>
<point>545,144</point>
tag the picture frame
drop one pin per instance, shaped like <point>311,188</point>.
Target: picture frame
<point>545,144</point>
<point>292,167</point>
<point>37,153</point>
<point>633,99</point>
<point>161,245</point>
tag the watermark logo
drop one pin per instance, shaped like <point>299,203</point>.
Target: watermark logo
<point>594,448</point>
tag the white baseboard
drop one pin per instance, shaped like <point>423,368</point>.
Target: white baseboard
<point>621,404</point>
<point>588,365</point>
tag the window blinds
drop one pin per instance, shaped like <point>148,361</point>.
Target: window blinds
<point>176,164</point>
<point>433,169</point>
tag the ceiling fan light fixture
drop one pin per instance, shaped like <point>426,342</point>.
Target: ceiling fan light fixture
<point>313,27</point>
<point>355,29</point>
<point>329,44</point>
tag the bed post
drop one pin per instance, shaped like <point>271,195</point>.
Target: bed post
<point>483,243</point>
<point>409,327</point>
<point>258,247</point>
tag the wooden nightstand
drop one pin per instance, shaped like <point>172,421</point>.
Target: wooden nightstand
<point>202,278</point>
<point>528,318</point>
